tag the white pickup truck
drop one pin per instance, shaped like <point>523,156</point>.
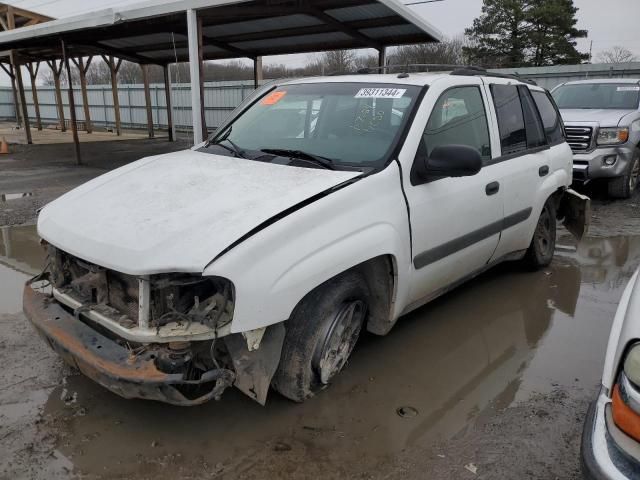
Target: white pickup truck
<point>322,207</point>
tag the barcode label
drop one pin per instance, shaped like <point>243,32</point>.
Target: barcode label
<point>381,93</point>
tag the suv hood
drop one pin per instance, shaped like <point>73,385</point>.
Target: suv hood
<point>175,212</point>
<point>604,117</point>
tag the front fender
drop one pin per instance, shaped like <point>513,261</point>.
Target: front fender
<point>275,268</point>
<point>624,330</point>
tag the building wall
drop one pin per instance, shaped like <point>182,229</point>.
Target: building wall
<point>550,77</point>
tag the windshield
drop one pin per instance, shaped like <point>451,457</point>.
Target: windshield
<point>340,124</point>
<point>618,96</point>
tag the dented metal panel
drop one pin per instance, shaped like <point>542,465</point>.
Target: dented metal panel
<point>255,368</point>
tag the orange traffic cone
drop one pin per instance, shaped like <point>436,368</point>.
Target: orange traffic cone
<point>4,147</point>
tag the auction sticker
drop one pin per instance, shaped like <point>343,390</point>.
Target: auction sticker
<point>273,98</point>
<point>381,93</point>
<point>629,89</point>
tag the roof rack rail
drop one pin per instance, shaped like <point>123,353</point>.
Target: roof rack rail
<point>485,73</point>
<point>405,68</point>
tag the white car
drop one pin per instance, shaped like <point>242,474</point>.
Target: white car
<point>611,437</point>
<point>256,258</point>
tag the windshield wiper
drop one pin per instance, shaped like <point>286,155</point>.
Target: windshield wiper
<point>299,154</point>
<point>235,149</point>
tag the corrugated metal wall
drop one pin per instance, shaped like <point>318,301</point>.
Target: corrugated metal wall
<point>220,99</point>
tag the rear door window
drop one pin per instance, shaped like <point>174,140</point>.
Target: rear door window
<point>513,135</point>
<point>550,119</point>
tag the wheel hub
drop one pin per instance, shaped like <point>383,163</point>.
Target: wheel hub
<point>340,339</point>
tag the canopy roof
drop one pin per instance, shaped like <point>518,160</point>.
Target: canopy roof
<point>156,32</point>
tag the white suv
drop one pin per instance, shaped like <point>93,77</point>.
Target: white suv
<point>323,206</point>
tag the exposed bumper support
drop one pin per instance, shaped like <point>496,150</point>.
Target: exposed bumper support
<point>110,364</point>
<point>172,332</point>
<point>575,210</point>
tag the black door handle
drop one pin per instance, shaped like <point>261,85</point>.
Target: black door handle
<point>543,171</point>
<point>492,188</point>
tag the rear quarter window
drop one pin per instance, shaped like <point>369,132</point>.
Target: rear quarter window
<point>550,118</point>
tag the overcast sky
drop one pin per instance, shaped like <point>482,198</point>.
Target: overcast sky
<point>610,22</point>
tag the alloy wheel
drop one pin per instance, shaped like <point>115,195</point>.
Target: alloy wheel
<point>340,339</point>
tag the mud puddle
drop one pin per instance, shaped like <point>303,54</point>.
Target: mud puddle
<point>21,257</point>
<point>495,342</point>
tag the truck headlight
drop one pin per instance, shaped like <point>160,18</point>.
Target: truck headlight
<point>612,136</point>
<point>625,405</point>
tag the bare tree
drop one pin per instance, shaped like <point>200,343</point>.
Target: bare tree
<point>366,61</point>
<point>616,54</point>
<point>45,75</point>
<point>334,61</point>
<point>98,73</point>
<point>129,73</point>
<point>449,52</point>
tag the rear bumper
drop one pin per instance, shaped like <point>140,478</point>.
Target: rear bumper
<point>109,363</point>
<point>601,458</point>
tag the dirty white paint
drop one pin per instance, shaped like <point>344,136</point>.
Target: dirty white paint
<point>176,212</point>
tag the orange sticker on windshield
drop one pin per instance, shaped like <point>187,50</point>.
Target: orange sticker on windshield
<point>273,98</point>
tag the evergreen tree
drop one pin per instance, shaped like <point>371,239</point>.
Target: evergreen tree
<point>552,33</point>
<point>499,35</point>
<point>512,33</point>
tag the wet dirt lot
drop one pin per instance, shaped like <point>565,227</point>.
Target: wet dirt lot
<point>493,381</point>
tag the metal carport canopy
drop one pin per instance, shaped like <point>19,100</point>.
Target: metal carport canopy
<point>197,30</point>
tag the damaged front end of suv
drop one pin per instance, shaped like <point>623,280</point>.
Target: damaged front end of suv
<point>164,337</point>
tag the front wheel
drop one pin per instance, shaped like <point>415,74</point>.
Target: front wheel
<point>540,251</point>
<point>321,335</point>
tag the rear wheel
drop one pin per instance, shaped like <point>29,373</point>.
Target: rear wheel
<point>321,335</point>
<point>625,186</point>
<point>543,244</point>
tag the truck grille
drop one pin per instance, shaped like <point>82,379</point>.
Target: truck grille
<point>579,138</point>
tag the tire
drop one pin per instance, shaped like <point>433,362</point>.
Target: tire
<point>542,246</point>
<point>623,187</point>
<point>321,334</point>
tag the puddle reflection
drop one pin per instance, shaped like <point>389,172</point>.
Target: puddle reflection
<point>608,262</point>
